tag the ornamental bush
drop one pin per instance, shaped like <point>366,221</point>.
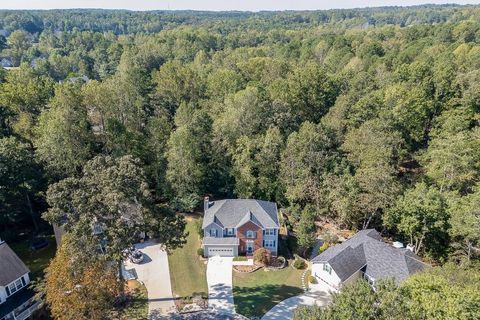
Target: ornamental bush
<point>200,251</point>
<point>324,247</point>
<point>262,257</point>
<point>299,264</point>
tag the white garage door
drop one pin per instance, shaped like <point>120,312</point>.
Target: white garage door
<point>220,251</point>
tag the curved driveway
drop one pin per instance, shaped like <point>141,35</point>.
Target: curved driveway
<point>284,310</point>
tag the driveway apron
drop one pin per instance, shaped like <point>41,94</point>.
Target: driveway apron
<point>154,273</point>
<point>219,279</point>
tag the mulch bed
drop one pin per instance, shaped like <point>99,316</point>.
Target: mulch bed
<point>246,269</point>
<point>277,263</point>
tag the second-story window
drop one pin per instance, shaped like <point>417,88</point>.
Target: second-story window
<point>230,232</point>
<point>213,232</point>
<point>250,234</point>
<point>269,232</point>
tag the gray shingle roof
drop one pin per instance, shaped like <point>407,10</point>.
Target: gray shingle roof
<point>11,267</point>
<point>367,248</point>
<point>224,241</point>
<point>231,213</point>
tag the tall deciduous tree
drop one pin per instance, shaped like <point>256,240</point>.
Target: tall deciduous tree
<point>374,150</point>
<point>420,214</point>
<point>465,225</point>
<point>188,155</point>
<point>110,202</point>
<point>80,286</point>
<point>20,181</point>
<point>309,154</point>
<point>25,94</point>
<point>63,136</point>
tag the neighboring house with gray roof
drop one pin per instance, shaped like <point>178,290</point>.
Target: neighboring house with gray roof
<point>239,226</point>
<point>364,255</point>
<point>16,299</point>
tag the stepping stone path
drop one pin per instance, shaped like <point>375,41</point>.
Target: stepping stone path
<point>304,283</point>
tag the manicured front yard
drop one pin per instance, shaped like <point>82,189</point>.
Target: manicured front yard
<point>187,271</point>
<point>256,293</point>
<point>38,260</point>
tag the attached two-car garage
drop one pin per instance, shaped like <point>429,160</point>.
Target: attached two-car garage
<point>220,251</point>
<point>223,247</point>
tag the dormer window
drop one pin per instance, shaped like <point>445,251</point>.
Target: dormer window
<point>250,234</point>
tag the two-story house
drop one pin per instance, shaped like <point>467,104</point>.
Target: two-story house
<point>16,299</point>
<point>239,226</point>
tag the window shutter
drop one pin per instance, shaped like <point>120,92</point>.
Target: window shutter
<point>23,282</point>
<point>8,290</point>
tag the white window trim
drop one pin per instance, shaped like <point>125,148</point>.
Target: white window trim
<point>214,233</point>
<point>15,286</point>
<point>269,232</point>
<point>250,234</point>
<point>230,231</point>
<point>270,243</point>
<point>327,268</point>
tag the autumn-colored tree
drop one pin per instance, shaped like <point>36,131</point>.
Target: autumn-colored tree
<point>80,287</point>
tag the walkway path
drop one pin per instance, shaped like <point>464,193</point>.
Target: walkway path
<point>219,279</point>
<point>154,273</point>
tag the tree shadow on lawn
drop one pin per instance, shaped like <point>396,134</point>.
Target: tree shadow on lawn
<point>256,301</point>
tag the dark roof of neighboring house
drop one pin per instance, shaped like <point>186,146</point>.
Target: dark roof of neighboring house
<point>232,213</point>
<point>367,248</point>
<point>11,267</point>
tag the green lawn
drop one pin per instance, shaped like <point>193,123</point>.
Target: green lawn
<point>36,261</point>
<point>187,272</point>
<point>256,293</point>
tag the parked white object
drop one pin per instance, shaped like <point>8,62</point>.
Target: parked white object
<point>397,244</point>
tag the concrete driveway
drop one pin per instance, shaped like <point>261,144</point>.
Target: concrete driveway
<point>154,273</point>
<point>219,279</point>
<point>284,310</point>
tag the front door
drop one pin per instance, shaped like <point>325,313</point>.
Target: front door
<point>250,246</point>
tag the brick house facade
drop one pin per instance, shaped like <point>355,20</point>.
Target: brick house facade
<point>242,236</point>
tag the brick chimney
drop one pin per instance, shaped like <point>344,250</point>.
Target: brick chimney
<point>206,203</point>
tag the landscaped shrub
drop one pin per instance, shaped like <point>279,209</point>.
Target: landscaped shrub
<point>312,279</point>
<point>262,257</point>
<point>324,247</point>
<point>240,258</point>
<point>198,227</point>
<point>330,238</point>
<point>299,264</point>
<point>200,251</point>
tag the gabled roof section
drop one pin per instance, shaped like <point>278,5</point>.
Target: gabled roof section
<point>348,261</point>
<point>11,267</point>
<point>231,213</point>
<point>367,248</point>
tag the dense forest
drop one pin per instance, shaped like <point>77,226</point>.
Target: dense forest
<point>363,118</point>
